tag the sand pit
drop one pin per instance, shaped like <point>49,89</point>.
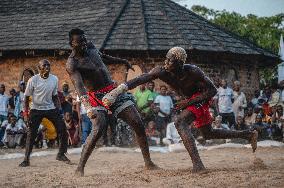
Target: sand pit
<point>227,167</point>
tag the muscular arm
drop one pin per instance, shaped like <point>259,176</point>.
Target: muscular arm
<point>146,77</point>
<point>77,81</point>
<point>107,59</point>
<point>75,77</point>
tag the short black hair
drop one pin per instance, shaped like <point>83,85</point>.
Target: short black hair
<point>75,31</point>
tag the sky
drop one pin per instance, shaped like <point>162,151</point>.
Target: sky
<point>244,7</point>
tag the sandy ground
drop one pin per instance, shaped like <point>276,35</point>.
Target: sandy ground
<point>227,167</point>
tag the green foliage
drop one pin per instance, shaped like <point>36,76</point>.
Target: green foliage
<point>263,31</point>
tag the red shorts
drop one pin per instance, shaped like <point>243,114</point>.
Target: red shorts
<point>94,100</point>
<point>202,115</point>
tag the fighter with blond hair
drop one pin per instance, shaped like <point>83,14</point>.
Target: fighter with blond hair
<point>189,81</point>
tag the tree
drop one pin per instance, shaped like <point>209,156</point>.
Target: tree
<point>263,31</point>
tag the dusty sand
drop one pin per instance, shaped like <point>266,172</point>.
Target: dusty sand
<point>226,168</point>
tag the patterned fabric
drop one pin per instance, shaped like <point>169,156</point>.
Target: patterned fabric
<point>122,101</point>
<point>201,112</point>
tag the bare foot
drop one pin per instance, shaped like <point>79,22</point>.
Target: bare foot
<point>79,172</point>
<point>24,164</point>
<point>253,141</point>
<point>151,166</point>
<point>198,168</point>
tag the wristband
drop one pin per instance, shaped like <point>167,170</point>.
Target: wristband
<point>25,113</point>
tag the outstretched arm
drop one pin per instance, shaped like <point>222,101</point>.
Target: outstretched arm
<point>107,59</point>
<point>146,77</point>
<point>110,98</point>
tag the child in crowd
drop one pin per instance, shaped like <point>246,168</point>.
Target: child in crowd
<point>152,134</point>
<point>13,133</point>
<point>72,129</point>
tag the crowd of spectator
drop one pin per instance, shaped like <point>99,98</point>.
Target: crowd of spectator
<point>230,109</point>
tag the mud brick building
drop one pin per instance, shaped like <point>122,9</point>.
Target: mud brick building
<point>139,30</point>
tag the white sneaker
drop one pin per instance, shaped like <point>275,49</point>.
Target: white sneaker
<point>44,144</point>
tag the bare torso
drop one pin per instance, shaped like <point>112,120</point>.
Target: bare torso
<point>187,82</point>
<point>94,72</point>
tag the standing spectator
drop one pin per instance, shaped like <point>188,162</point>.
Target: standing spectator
<point>224,103</point>
<point>45,104</point>
<point>152,134</point>
<point>65,89</point>
<point>12,100</point>
<point>14,133</point>
<point>19,104</point>
<point>84,120</point>
<point>172,136</point>
<point>281,87</point>
<point>112,121</point>
<point>164,105</point>
<point>275,96</point>
<point>4,101</point>
<point>254,100</point>
<point>240,101</point>
<point>250,117</point>
<point>144,99</point>
<point>67,105</point>
<point>151,87</point>
<point>72,128</point>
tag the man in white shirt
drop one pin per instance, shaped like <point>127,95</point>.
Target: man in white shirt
<point>4,101</point>
<point>164,106</point>
<point>240,101</point>
<point>225,99</point>
<point>45,104</point>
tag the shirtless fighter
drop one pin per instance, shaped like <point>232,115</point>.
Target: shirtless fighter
<point>189,81</point>
<point>91,78</point>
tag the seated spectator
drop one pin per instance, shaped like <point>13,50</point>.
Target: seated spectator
<point>172,136</point>
<point>240,124</point>
<point>250,117</point>
<point>277,122</point>
<point>152,134</point>
<point>47,134</point>
<point>14,133</point>
<point>40,141</point>
<point>72,129</point>
<point>4,125</point>
<point>261,127</point>
<point>217,124</point>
